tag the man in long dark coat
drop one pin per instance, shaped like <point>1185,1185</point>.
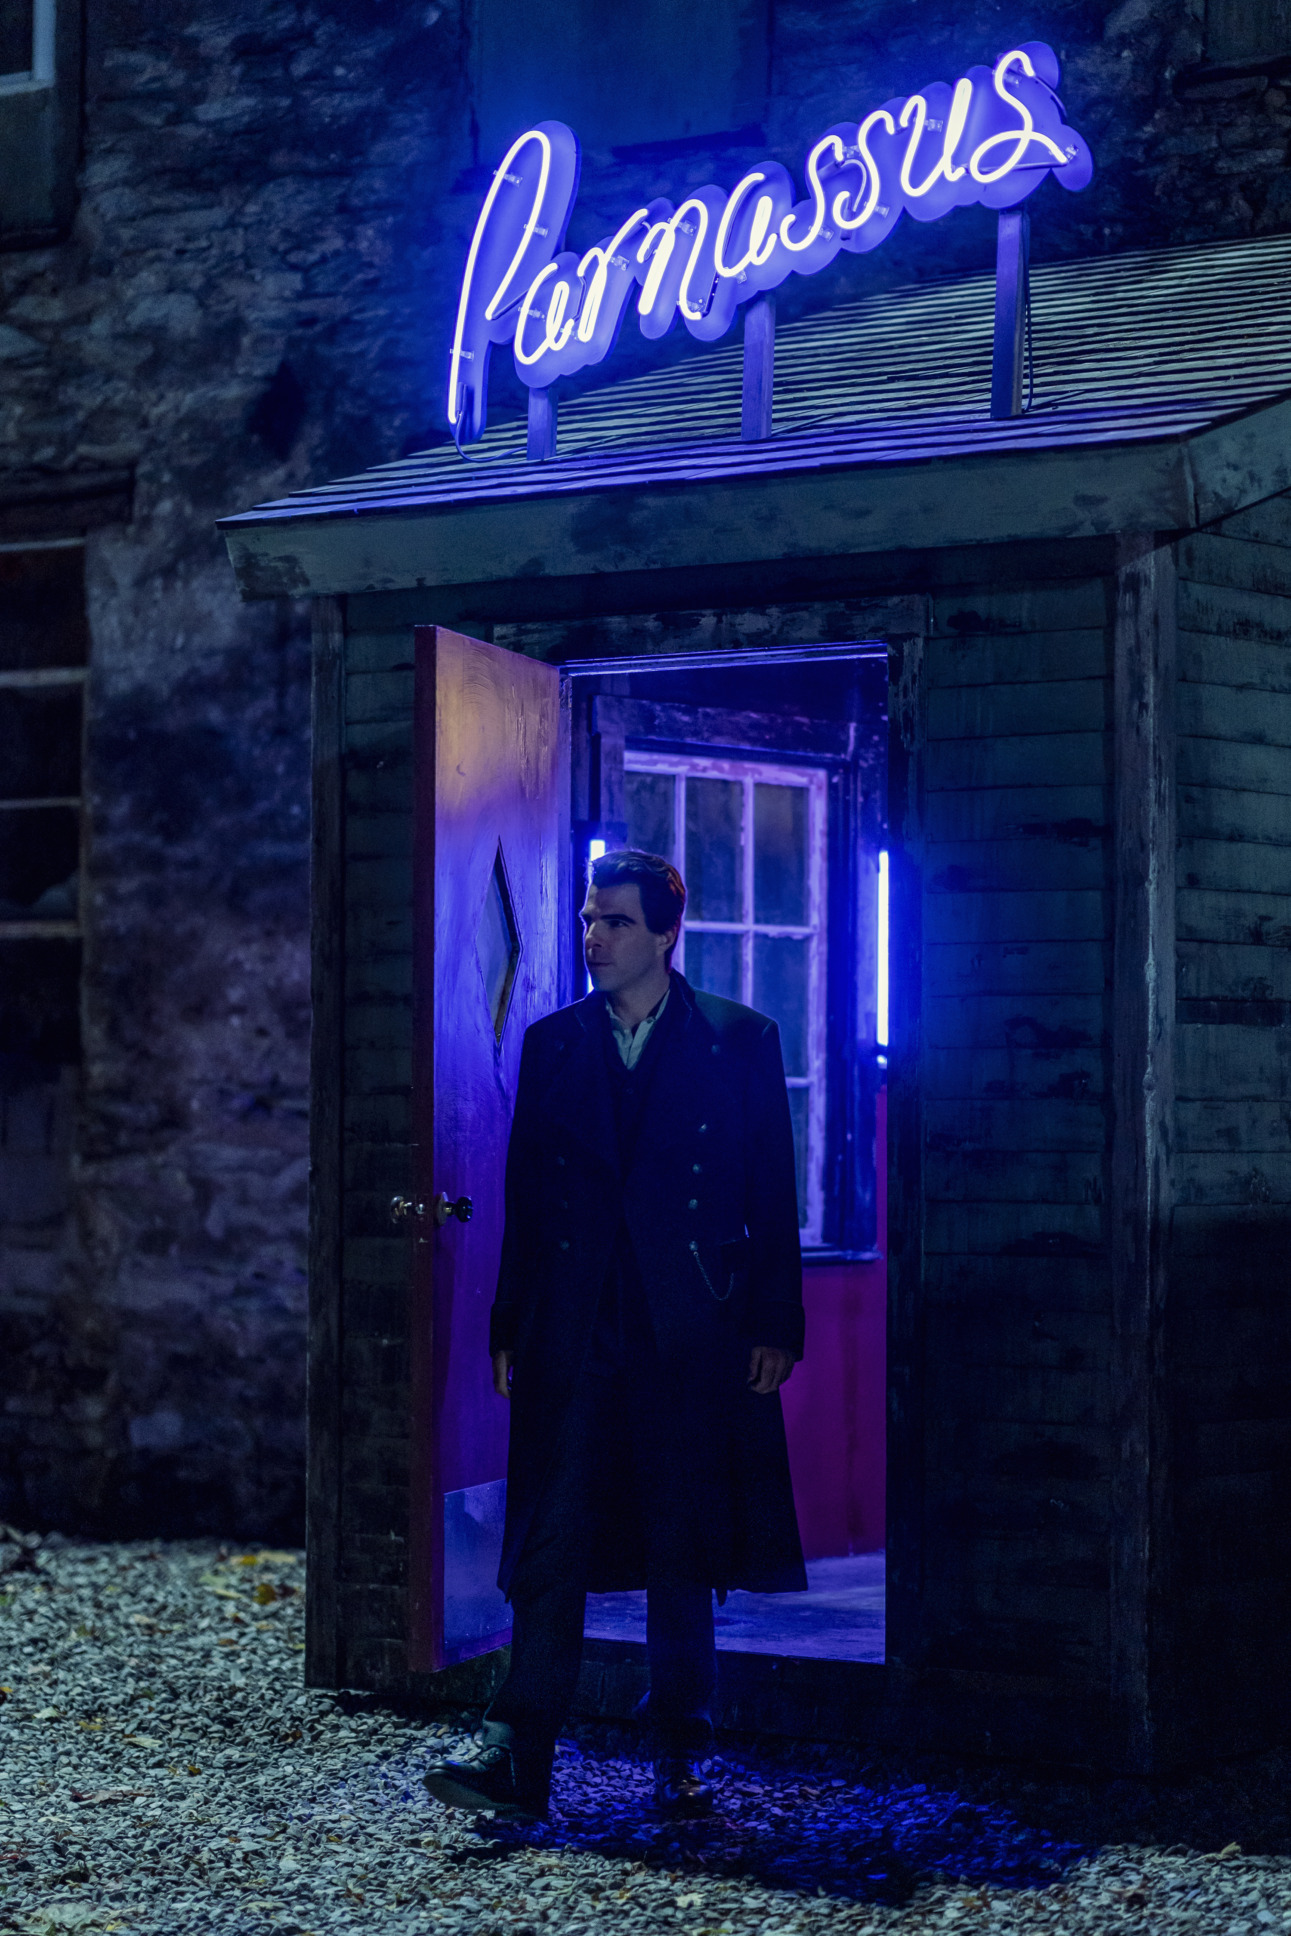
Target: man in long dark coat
<point>649,1307</point>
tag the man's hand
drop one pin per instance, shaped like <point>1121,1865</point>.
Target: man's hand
<point>502,1363</point>
<point>768,1368</point>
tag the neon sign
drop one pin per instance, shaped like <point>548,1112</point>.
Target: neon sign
<point>991,138</point>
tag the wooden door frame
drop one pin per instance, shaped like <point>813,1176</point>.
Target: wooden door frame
<point>760,1676</point>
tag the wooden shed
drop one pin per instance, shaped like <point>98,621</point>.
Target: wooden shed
<point>1074,628</point>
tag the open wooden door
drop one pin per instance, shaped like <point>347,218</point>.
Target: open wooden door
<point>488,850</point>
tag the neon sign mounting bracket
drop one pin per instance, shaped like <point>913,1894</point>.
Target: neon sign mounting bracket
<point>990,138</point>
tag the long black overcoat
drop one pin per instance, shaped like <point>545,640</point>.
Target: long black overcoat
<point>710,1207</point>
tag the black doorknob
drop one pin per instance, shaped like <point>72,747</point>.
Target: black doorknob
<point>462,1209</point>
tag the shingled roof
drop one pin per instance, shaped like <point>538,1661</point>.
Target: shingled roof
<point>1129,348</point>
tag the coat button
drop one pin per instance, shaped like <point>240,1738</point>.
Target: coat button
<point>717,1048</point>
<point>697,1169</point>
<point>561,1162</point>
<point>564,1243</point>
<point>564,1203</point>
<point>694,1203</point>
<point>703,1129</point>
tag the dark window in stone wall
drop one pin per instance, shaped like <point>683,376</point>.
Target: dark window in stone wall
<point>618,75</point>
<point>40,80</point>
<point>1247,30</point>
<point>17,27</point>
<point>43,649</point>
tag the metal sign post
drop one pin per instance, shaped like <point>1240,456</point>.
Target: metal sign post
<point>540,441</point>
<point>759,368</point>
<point>1012,300</point>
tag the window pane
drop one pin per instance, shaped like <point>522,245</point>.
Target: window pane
<point>15,36</point>
<point>714,866</point>
<point>780,982</point>
<point>40,743</point>
<point>39,852</point>
<point>650,800</point>
<point>798,1114</point>
<point>780,855</point>
<point>713,963</point>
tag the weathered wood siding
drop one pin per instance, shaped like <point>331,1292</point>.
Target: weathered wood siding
<point>376,1148</point>
<point>1090,1397</point>
<point>1006,1630</point>
<point>360,1397</point>
<point>1229,1336</point>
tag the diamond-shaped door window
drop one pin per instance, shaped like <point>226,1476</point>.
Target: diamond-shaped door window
<point>497,944</point>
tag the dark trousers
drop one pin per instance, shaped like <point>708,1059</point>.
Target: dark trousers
<point>549,1597</point>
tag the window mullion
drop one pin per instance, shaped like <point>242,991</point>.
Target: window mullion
<point>42,40</point>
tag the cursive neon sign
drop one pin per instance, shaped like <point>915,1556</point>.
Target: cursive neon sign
<point>991,138</point>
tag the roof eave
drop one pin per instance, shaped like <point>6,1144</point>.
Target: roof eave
<point>1083,491</point>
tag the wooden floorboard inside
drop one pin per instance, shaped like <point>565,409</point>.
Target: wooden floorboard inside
<point>840,1617</point>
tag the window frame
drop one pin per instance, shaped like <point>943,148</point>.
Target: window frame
<point>42,71</point>
<point>51,678</point>
<point>751,771</point>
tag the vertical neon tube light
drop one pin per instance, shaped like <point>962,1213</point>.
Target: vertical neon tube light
<point>595,848</point>
<point>881,961</point>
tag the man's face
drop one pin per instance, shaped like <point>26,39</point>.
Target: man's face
<point>618,947</point>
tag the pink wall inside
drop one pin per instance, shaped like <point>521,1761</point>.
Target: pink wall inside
<point>835,1404</point>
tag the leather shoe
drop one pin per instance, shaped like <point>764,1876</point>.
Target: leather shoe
<point>495,1775</point>
<point>679,1787</point>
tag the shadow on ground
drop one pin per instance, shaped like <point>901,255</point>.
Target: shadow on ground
<point>808,1816</point>
<point>807,1823</point>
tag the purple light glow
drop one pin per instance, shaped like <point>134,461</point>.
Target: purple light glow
<point>991,138</point>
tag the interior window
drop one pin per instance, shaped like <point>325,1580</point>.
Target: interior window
<point>749,839</point>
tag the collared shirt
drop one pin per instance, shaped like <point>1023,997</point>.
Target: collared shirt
<point>631,1042</point>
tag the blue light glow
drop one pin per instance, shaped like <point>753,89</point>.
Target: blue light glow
<point>881,958</point>
<point>595,848</point>
<point>991,138</point>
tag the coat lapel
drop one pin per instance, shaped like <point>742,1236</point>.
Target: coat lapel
<point>675,1085</point>
<point>579,1099</point>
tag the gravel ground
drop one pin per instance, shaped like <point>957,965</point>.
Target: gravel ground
<point>164,1771</point>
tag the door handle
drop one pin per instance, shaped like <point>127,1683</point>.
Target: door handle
<point>441,1209</point>
<point>405,1209</point>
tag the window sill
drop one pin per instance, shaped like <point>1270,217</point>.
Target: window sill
<point>30,678</point>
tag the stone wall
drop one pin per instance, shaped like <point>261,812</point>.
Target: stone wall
<point>255,294</point>
<point>237,309</point>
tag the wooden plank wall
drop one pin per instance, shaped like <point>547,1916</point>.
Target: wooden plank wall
<point>376,1149</point>
<point>1008,1635</point>
<point>1229,1336</point>
<point>1005,1609</point>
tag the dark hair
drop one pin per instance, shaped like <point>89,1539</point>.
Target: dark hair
<point>662,890</point>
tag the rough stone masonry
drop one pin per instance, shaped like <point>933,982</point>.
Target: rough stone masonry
<point>253,294</point>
